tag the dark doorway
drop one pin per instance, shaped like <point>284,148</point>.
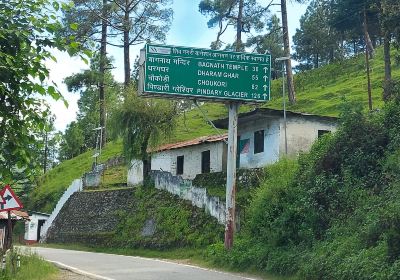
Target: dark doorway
<point>205,162</point>
<point>179,165</point>
<point>40,224</point>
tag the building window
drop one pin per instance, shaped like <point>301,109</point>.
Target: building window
<point>322,132</point>
<point>205,162</point>
<point>259,141</point>
<point>179,165</point>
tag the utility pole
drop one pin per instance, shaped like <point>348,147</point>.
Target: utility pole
<point>286,46</point>
<point>232,151</point>
<point>103,61</point>
<point>368,52</point>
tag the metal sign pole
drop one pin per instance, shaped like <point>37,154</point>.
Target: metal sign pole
<point>231,174</point>
<point>9,231</point>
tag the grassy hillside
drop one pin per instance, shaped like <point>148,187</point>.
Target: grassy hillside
<point>320,91</point>
<point>51,186</point>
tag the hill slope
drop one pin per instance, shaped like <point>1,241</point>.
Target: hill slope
<point>319,91</point>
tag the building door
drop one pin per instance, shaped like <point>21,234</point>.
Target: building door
<point>40,224</point>
<point>205,162</point>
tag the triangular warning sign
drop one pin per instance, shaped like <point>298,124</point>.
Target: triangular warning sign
<point>8,200</point>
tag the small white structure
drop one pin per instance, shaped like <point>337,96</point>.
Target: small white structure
<point>186,159</point>
<point>206,154</point>
<point>33,226</point>
<point>262,134</point>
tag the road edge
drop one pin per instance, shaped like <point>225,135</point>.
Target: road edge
<point>78,271</point>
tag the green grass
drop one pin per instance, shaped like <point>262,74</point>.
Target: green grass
<point>114,176</point>
<point>32,268</point>
<point>322,91</point>
<point>51,186</point>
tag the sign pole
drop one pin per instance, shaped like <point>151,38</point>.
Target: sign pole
<point>9,231</point>
<point>231,174</point>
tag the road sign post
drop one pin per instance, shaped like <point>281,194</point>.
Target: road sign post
<point>9,201</point>
<point>204,74</point>
<point>209,75</point>
<point>231,174</point>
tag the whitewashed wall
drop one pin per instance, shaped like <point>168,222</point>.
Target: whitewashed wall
<point>302,133</point>
<point>185,190</point>
<point>31,227</point>
<point>75,186</point>
<point>167,160</point>
<point>135,173</point>
<point>271,143</point>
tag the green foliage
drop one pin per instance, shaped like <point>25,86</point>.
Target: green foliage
<point>81,135</point>
<point>32,267</point>
<point>177,223</point>
<point>223,13</point>
<point>27,35</point>
<point>52,185</point>
<point>334,213</point>
<point>143,123</point>
<point>316,41</point>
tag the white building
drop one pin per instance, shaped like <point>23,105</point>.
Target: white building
<point>189,158</point>
<point>33,226</point>
<point>186,159</point>
<point>261,134</point>
<point>261,142</point>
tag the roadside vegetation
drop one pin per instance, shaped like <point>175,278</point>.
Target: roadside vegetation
<point>32,268</point>
<point>333,213</point>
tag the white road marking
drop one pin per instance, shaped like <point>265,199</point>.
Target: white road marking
<point>79,271</point>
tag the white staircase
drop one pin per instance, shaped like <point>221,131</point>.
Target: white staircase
<point>74,187</point>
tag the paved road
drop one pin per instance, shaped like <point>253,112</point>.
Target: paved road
<point>116,267</point>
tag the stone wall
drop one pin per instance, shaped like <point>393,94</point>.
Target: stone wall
<point>185,190</point>
<point>133,218</point>
<point>196,191</point>
<point>89,217</point>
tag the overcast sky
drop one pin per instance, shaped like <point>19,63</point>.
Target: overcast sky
<point>189,28</point>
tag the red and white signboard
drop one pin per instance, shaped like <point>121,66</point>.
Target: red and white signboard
<point>8,200</point>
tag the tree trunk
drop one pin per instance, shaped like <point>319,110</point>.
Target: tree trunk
<point>45,153</point>
<point>286,45</point>
<point>127,66</point>
<point>368,42</point>
<point>386,50</point>
<point>388,68</point>
<point>145,158</point>
<point>239,27</point>
<point>368,78</point>
<point>103,61</point>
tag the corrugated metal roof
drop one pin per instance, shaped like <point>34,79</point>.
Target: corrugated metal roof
<point>15,215</point>
<point>267,112</point>
<point>193,142</point>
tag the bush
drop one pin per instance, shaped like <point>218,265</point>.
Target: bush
<point>334,213</point>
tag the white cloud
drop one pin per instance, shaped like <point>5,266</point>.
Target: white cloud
<point>64,67</point>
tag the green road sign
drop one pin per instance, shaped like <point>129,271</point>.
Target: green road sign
<point>205,74</point>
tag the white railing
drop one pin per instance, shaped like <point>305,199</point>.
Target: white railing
<point>74,187</point>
